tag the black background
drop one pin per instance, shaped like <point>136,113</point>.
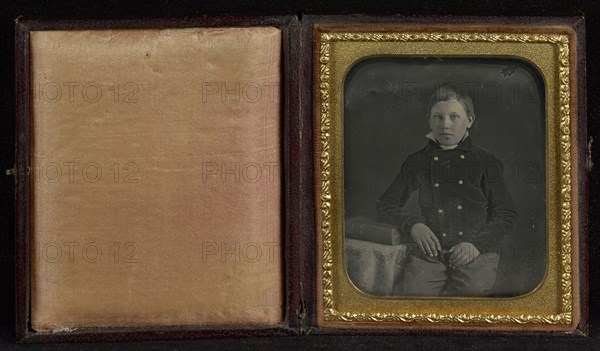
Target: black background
<point>384,122</point>
<point>168,8</point>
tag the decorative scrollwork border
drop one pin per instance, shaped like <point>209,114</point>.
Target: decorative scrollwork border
<point>562,42</point>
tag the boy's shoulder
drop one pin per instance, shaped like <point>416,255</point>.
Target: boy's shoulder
<point>423,152</point>
<point>485,154</point>
<point>481,150</point>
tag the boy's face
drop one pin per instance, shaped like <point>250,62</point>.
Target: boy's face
<point>449,122</point>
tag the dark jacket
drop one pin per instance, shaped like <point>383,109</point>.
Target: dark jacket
<point>462,195</point>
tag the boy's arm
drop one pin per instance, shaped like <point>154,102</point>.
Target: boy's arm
<point>391,205</point>
<point>502,216</point>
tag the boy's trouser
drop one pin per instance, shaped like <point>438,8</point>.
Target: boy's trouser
<point>432,276</point>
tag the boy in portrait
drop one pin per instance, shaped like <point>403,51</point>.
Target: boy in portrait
<point>466,209</point>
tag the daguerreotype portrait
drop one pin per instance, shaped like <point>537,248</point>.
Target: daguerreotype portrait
<point>173,181</point>
<point>443,169</point>
<point>461,156</point>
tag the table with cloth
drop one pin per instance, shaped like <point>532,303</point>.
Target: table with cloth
<point>374,268</point>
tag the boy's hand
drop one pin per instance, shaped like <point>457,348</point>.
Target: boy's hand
<point>463,253</point>
<point>425,239</point>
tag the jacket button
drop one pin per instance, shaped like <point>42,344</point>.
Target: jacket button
<point>459,207</point>
<point>436,185</point>
<point>460,233</point>
<point>462,157</point>
<point>435,158</point>
<point>444,235</point>
<point>440,211</point>
<point>460,182</point>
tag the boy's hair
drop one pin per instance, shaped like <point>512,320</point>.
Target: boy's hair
<point>451,92</point>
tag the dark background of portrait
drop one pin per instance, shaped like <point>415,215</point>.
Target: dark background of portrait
<point>385,121</point>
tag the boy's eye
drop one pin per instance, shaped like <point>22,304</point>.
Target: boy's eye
<point>454,116</point>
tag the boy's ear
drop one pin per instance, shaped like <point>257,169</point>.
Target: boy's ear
<point>471,119</point>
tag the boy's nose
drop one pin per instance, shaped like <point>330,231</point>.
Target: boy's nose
<point>446,122</point>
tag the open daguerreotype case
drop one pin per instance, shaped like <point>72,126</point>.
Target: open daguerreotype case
<point>266,176</point>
